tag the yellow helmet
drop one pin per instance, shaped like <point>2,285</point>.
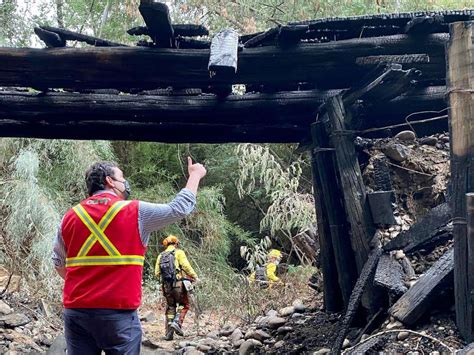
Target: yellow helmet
<point>274,253</point>
<point>171,239</point>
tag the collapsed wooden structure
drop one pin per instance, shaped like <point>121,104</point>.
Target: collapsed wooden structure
<point>318,83</point>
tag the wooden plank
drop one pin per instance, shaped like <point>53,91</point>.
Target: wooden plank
<point>158,21</point>
<point>330,196</point>
<point>423,230</point>
<point>151,68</point>
<point>418,299</point>
<point>291,34</point>
<point>390,275</point>
<point>460,82</point>
<point>261,38</point>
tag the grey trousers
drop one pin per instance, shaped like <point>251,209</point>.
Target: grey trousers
<point>91,331</point>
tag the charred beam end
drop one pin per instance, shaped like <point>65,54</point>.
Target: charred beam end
<point>390,275</point>
<point>158,21</point>
<point>261,38</point>
<point>74,36</point>
<point>380,203</point>
<point>425,25</point>
<point>418,299</point>
<point>51,39</point>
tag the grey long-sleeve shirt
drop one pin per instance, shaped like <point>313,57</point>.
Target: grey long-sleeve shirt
<point>151,217</point>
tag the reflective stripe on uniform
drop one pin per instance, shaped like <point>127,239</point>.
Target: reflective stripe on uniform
<point>105,260</point>
<point>103,224</point>
<point>97,235</point>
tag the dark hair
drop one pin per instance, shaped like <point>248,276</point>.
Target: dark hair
<point>96,174</point>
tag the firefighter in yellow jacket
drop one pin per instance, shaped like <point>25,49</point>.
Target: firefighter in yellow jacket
<point>172,267</point>
<point>266,274</point>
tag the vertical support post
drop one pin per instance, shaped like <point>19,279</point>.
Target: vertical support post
<point>353,188</point>
<point>460,86</point>
<point>331,291</point>
<point>332,200</point>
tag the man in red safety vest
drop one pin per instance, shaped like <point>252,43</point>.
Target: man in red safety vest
<point>99,252</point>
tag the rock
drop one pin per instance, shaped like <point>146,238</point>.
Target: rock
<point>259,335</point>
<point>272,313</point>
<point>227,330</point>
<point>396,151</point>
<point>394,324</point>
<point>148,317</point>
<point>45,308</point>
<point>246,347</point>
<point>279,344</point>
<point>276,322</point>
<point>149,343</point>
<point>363,337</point>
<point>58,347</point>
<point>300,308</point>
<point>296,315</point>
<point>214,334</point>
<point>238,343</point>
<point>14,285</point>
<point>287,311</point>
<point>204,348</point>
<point>403,335</point>
<point>236,336</point>
<point>322,351</point>
<point>346,343</point>
<point>14,320</point>
<point>407,136</point>
<point>399,254</point>
<point>269,341</point>
<point>441,328</point>
<point>192,351</point>
<point>5,308</point>
<point>284,330</point>
<point>429,141</point>
<point>256,342</point>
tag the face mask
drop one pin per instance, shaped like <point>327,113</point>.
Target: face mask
<point>127,190</point>
<point>276,262</point>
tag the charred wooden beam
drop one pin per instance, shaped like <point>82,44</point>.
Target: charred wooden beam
<point>380,203</point>
<point>418,299</point>
<point>423,230</point>
<point>460,79</point>
<point>158,21</point>
<point>151,68</point>
<point>297,108</point>
<point>190,43</point>
<point>51,39</point>
<point>330,200</point>
<point>155,131</point>
<point>74,36</point>
<point>188,30</point>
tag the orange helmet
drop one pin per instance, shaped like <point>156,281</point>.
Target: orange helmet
<point>171,239</point>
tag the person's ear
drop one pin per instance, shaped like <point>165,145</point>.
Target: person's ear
<point>109,181</point>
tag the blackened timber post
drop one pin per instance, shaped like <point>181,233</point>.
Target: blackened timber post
<point>355,200</point>
<point>460,89</point>
<point>332,297</point>
<point>332,199</point>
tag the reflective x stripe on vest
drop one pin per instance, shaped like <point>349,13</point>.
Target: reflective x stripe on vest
<point>97,235</point>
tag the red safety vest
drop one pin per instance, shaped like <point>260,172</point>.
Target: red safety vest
<point>104,254</point>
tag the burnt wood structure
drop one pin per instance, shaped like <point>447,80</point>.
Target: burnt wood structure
<point>319,83</point>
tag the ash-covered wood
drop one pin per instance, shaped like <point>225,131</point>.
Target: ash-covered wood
<point>387,59</point>
<point>390,275</point>
<point>418,299</point>
<point>380,203</point>
<point>426,24</point>
<point>223,56</point>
